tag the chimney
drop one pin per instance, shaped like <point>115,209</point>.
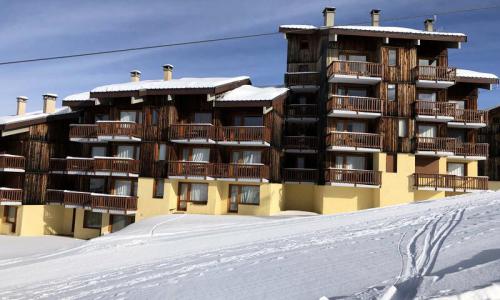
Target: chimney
<point>135,75</point>
<point>21,105</point>
<point>167,72</point>
<point>49,103</point>
<point>375,13</point>
<point>429,25</point>
<point>329,16</point>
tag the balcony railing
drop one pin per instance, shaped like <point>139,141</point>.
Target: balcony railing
<point>433,108</point>
<point>204,132</point>
<point>300,175</point>
<point>92,200</point>
<point>471,116</point>
<point>96,164</point>
<point>356,68</point>
<point>354,103</point>
<point>302,79</point>
<point>11,195</point>
<point>243,134</point>
<point>436,144</point>
<point>8,161</point>
<point>449,182</point>
<point>300,142</point>
<point>434,73</point>
<point>302,111</point>
<point>354,139</point>
<point>355,177</point>
<point>472,149</point>
<point>105,128</point>
<point>217,170</point>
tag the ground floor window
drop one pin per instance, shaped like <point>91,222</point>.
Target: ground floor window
<point>192,192</point>
<point>158,188</point>
<point>243,194</point>
<point>92,220</point>
<point>119,222</point>
<point>10,216</point>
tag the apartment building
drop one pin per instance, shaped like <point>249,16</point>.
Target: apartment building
<point>491,135</point>
<point>378,115</point>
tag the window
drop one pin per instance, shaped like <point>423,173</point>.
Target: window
<point>129,116</point>
<point>391,92</point>
<point>303,68</point>
<point>123,188</point>
<point>393,57</point>
<point>192,192</point>
<point>350,126</point>
<point>244,194</point>
<point>426,96</point>
<point>352,92</point>
<point>97,185</point>
<point>429,131</point>
<point>459,104</point>
<point>402,128</point>
<point>101,117</point>
<point>98,151</point>
<point>391,163</point>
<point>125,151</point>
<point>10,214</point>
<point>301,162</point>
<point>119,222</point>
<point>350,162</point>
<point>92,220</point>
<point>246,157</point>
<point>158,188</point>
<point>304,45</point>
<point>196,154</point>
<point>248,121</point>
<point>162,152</point>
<point>155,113</point>
<point>427,62</point>
<point>456,169</point>
<point>202,118</point>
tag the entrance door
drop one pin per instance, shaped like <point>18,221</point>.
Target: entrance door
<point>183,196</point>
<point>233,200</point>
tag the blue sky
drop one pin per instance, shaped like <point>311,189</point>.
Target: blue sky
<point>47,28</point>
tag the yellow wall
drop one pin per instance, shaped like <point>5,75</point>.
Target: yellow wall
<point>36,220</point>
<point>300,197</point>
<point>397,187</point>
<point>344,199</point>
<point>147,206</point>
<point>80,231</point>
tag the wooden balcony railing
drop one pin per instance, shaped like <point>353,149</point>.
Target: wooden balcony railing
<point>97,164</point>
<point>243,134</point>
<point>471,116</point>
<point>354,139</point>
<point>353,103</point>
<point>113,202</point>
<point>187,168</point>
<point>300,142</point>
<point>192,132</point>
<point>8,161</point>
<point>300,175</point>
<point>302,78</point>
<point>54,196</point>
<point>105,128</point>
<point>356,68</point>
<point>346,176</point>
<point>76,198</point>
<point>11,195</point>
<point>241,171</point>
<point>450,182</point>
<point>436,144</point>
<point>434,73</point>
<point>302,111</point>
<point>472,149</point>
<point>433,108</point>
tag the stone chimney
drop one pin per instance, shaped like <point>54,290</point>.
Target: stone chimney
<point>375,13</point>
<point>429,25</point>
<point>135,75</point>
<point>167,72</point>
<point>21,105</point>
<point>49,103</point>
<point>329,16</point>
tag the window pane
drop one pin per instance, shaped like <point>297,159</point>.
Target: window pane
<point>252,121</point>
<point>392,57</point>
<point>162,152</point>
<point>185,154</point>
<point>92,219</point>
<point>203,118</point>
<point>339,162</point>
<point>159,187</point>
<point>391,92</point>
<point>301,162</point>
<point>97,185</point>
<point>427,96</point>
<point>235,157</point>
<point>456,169</point>
<point>199,192</point>
<point>427,131</point>
<point>125,151</point>
<point>201,154</point>
<point>154,117</point>
<point>357,57</point>
<point>128,116</point>
<point>355,162</point>
<point>123,187</point>
<point>402,128</point>
<point>357,92</point>
<point>357,127</point>
<point>251,157</point>
<point>250,194</point>
<point>101,117</point>
<point>98,151</point>
<point>11,214</point>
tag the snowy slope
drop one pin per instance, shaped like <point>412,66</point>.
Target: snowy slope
<point>426,249</point>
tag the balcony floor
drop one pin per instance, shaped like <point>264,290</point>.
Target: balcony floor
<point>428,118</point>
<point>340,78</point>
<point>431,84</point>
<point>466,125</point>
<point>353,149</point>
<point>353,114</point>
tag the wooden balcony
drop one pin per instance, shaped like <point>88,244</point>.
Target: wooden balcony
<point>244,135</point>
<point>435,146</point>
<point>192,133</point>
<point>354,142</point>
<point>9,196</point>
<point>12,163</point>
<point>97,166</point>
<point>104,203</point>
<point>300,175</point>
<point>354,107</point>
<point>301,144</point>
<point>434,77</point>
<point>472,151</point>
<point>302,79</point>
<point>449,183</point>
<point>357,72</point>
<point>469,118</point>
<point>104,131</point>
<point>302,112</point>
<point>211,171</point>
<point>433,111</point>
<point>353,178</point>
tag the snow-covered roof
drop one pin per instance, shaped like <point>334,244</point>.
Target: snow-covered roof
<point>181,83</point>
<point>298,26</point>
<point>31,116</point>
<point>474,74</point>
<point>252,93</point>
<point>79,97</point>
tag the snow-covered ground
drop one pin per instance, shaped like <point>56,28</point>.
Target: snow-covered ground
<point>426,249</point>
